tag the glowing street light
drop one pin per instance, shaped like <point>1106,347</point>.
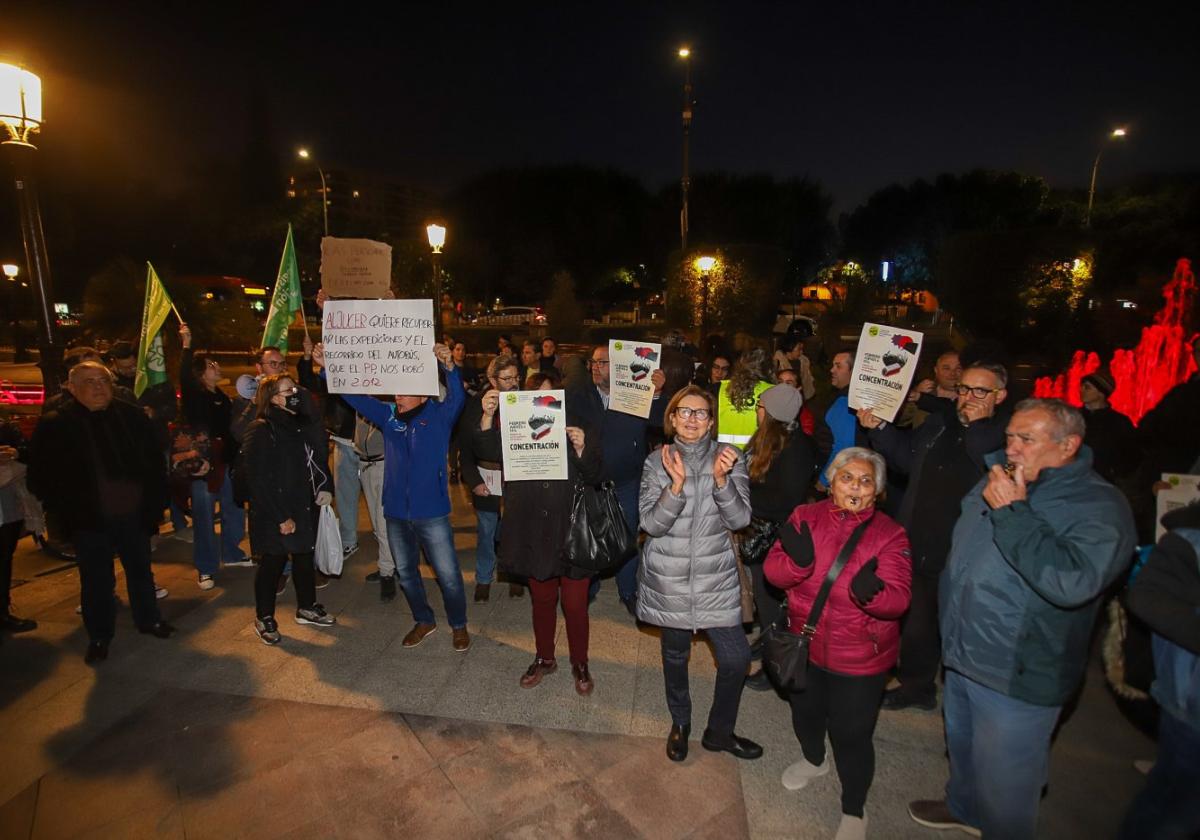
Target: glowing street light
<point>20,102</point>
<point>304,154</point>
<point>11,271</point>
<point>685,54</point>
<point>1116,134</point>
<point>705,266</point>
<point>436,235</point>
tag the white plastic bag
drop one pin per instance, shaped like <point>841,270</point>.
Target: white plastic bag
<point>328,557</point>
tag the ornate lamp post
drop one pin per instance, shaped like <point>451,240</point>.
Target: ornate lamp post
<point>704,265</point>
<point>437,238</point>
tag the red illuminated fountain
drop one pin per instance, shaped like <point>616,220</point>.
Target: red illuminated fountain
<point>1144,374</point>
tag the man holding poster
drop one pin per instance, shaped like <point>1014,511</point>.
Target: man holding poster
<point>883,369</point>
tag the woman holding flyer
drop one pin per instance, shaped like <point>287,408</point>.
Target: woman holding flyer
<point>537,516</point>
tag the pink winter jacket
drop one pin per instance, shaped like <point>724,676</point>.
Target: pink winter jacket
<point>851,638</point>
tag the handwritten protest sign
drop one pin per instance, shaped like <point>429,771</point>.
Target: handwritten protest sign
<point>1184,490</point>
<point>631,364</point>
<point>355,268</point>
<point>379,347</point>
<point>533,435</point>
<point>884,366</point>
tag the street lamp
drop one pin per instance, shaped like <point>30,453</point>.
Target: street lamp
<point>11,271</point>
<point>1115,134</point>
<point>437,238</point>
<point>304,154</point>
<point>21,116</point>
<point>685,54</point>
<point>704,265</point>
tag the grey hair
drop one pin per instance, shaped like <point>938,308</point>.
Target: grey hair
<point>500,363</point>
<point>89,365</point>
<point>1067,419</point>
<point>996,370</point>
<point>859,453</point>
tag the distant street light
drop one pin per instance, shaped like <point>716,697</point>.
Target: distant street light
<point>704,265</point>
<point>1115,134</point>
<point>437,239</point>
<point>21,116</point>
<point>304,154</point>
<point>685,53</point>
<point>11,271</point>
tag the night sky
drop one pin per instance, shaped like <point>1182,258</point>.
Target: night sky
<point>856,97</point>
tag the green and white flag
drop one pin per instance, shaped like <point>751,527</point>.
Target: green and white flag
<point>151,362</point>
<point>285,302</point>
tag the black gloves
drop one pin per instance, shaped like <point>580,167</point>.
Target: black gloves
<point>798,545</point>
<point>865,585</point>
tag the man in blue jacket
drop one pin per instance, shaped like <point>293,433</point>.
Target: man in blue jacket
<point>416,495</point>
<point>1034,548</point>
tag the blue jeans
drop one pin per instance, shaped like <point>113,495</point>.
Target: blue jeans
<point>487,523</point>
<point>178,517</point>
<point>627,495</point>
<point>206,553</point>
<point>733,660</point>
<point>1169,807</point>
<point>345,491</point>
<point>436,537</point>
<point>999,751</point>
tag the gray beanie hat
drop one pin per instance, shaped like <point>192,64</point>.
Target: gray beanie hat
<point>783,402</point>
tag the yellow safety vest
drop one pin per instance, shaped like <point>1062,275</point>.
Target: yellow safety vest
<point>733,426</point>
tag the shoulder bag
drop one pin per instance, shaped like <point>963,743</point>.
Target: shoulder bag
<point>598,538</point>
<point>785,654</point>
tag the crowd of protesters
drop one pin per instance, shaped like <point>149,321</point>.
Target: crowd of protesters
<point>962,550</point>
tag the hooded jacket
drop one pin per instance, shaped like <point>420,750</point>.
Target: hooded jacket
<point>688,577</point>
<point>1022,585</point>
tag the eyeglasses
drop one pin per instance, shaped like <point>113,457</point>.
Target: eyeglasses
<point>977,393</point>
<point>599,362</point>
<point>512,378</point>
<point>686,413</point>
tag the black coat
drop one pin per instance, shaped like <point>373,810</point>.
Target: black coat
<point>476,445</point>
<point>1113,441</point>
<point>537,517</point>
<point>286,465</point>
<point>788,479</point>
<point>63,456</point>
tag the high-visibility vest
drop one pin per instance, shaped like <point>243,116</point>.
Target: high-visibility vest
<point>733,426</point>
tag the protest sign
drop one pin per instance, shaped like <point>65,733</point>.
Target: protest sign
<point>884,366</point>
<point>630,365</point>
<point>1184,490</point>
<point>379,347</point>
<point>355,268</point>
<point>533,435</point>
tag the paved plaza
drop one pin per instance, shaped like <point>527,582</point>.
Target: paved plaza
<point>343,733</point>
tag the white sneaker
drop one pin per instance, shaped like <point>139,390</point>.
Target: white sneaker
<point>245,562</point>
<point>161,592</point>
<point>797,776</point>
<point>207,582</point>
<point>348,550</point>
<point>852,828</point>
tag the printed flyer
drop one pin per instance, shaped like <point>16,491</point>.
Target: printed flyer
<point>631,364</point>
<point>533,435</point>
<point>884,366</point>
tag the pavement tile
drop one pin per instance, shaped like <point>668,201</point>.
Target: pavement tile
<point>575,810</point>
<point>428,806</point>
<point>16,815</point>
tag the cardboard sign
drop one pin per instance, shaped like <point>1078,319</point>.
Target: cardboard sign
<point>533,435</point>
<point>379,347</point>
<point>1184,490</point>
<point>355,268</point>
<point>630,366</point>
<point>884,366</point>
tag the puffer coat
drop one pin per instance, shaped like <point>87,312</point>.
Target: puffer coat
<point>286,463</point>
<point>851,638</point>
<point>688,577</point>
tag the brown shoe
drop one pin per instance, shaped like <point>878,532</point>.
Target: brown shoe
<point>583,680</point>
<point>539,668</point>
<point>935,813</point>
<point>417,634</point>
<point>483,591</point>
<point>461,639</point>
<point>515,590</point>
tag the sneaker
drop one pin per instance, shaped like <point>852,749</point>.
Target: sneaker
<point>798,775</point>
<point>348,550</point>
<point>244,561</point>
<point>852,828</point>
<point>759,681</point>
<point>316,616</point>
<point>387,588</point>
<point>161,592</point>
<point>373,576</point>
<point>267,630</point>
<point>322,580</point>
<point>417,634</point>
<point>282,587</point>
<point>935,813</point>
<point>207,582</point>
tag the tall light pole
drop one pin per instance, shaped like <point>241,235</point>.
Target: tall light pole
<point>437,239</point>
<point>704,265</point>
<point>21,115</point>
<point>304,154</point>
<point>1115,134</point>
<point>685,53</point>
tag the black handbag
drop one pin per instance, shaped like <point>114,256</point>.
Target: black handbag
<point>785,654</point>
<point>757,539</point>
<point>598,538</point>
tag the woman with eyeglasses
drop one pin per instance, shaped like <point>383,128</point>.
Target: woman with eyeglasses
<point>694,492</point>
<point>287,472</point>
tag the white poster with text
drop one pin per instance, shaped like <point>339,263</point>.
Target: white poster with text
<point>630,366</point>
<point>884,366</point>
<point>1183,490</point>
<point>379,347</point>
<point>533,435</point>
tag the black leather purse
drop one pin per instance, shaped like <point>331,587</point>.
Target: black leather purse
<point>757,539</point>
<point>785,654</point>
<point>598,538</point>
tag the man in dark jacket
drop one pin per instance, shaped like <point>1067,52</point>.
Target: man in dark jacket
<point>623,449</point>
<point>943,459</point>
<point>94,461</point>
<point>1031,554</point>
<point>1110,434</point>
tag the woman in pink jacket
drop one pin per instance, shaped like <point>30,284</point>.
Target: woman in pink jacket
<point>858,633</point>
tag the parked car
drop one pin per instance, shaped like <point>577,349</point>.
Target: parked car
<point>789,321</point>
<point>517,315</point>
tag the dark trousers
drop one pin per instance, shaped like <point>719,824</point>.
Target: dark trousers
<point>94,551</point>
<point>920,640</point>
<point>846,707</point>
<point>544,595</point>
<point>733,660</point>
<point>266,581</point>
<point>10,532</point>
<point>627,496</point>
<point>768,601</point>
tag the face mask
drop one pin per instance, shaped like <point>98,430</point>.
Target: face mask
<point>292,402</point>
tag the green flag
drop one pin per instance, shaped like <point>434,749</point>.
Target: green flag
<point>151,363</point>
<point>286,299</point>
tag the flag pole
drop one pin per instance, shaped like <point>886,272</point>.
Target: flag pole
<point>177,315</point>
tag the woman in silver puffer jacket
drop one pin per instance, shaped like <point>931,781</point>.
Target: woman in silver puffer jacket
<point>694,492</point>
